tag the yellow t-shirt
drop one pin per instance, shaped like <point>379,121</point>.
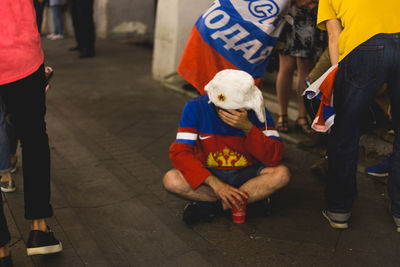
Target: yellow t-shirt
<point>361,19</point>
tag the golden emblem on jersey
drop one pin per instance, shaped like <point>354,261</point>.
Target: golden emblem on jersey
<point>226,158</point>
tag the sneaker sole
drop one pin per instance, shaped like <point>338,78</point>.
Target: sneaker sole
<point>335,224</point>
<point>8,190</point>
<point>378,174</point>
<point>44,250</point>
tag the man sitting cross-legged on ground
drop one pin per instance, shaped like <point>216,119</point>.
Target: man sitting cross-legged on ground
<point>223,150</point>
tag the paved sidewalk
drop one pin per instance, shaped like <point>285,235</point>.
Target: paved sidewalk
<point>110,126</point>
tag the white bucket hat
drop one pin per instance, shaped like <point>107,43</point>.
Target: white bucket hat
<point>235,89</point>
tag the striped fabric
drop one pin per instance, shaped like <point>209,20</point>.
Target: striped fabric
<point>323,90</point>
<point>233,34</point>
<point>185,137</point>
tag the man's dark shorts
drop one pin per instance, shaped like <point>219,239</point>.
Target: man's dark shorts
<point>237,178</point>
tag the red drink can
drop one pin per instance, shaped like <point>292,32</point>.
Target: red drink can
<point>239,214</point>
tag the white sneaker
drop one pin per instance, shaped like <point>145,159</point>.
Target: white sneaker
<point>57,37</point>
<point>335,224</point>
<point>397,222</point>
<point>8,186</point>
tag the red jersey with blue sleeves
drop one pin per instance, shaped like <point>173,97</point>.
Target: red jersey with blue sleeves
<point>205,141</point>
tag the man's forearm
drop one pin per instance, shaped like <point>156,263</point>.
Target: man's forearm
<point>334,28</point>
<point>333,51</point>
<point>211,181</point>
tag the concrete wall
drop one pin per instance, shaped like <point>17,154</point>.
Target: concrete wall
<point>174,21</point>
<point>116,18</point>
<point>131,18</point>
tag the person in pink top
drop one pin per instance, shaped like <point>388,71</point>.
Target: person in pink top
<point>22,83</point>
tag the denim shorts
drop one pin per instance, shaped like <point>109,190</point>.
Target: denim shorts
<point>237,178</point>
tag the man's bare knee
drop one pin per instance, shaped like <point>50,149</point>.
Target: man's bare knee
<point>280,175</point>
<point>175,182</point>
<point>172,181</point>
<point>283,175</point>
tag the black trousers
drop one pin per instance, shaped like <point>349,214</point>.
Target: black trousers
<point>82,20</point>
<point>39,7</point>
<point>4,234</point>
<point>25,102</point>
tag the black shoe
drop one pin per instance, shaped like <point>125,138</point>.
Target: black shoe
<point>86,53</point>
<point>313,139</point>
<point>75,48</point>
<point>320,168</point>
<point>201,212</point>
<point>267,206</point>
<point>40,242</point>
<point>6,261</point>
<point>261,208</point>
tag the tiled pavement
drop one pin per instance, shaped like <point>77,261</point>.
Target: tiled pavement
<point>110,126</point>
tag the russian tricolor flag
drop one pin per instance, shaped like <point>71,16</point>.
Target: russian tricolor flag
<point>232,34</point>
<point>323,90</point>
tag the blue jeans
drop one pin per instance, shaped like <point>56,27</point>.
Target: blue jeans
<point>13,138</point>
<point>359,77</point>
<point>39,7</point>
<point>5,165</point>
<point>57,19</point>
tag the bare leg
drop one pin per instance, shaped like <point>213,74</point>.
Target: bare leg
<point>284,81</point>
<point>304,67</point>
<point>270,180</point>
<point>39,224</point>
<point>4,251</point>
<point>6,177</point>
<point>175,183</point>
<point>260,187</point>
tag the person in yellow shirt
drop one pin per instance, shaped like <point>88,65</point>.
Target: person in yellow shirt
<point>364,39</point>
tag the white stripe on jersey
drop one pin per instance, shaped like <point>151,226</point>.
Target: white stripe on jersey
<point>271,133</point>
<point>186,136</point>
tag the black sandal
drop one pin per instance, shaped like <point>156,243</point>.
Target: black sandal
<point>282,125</point>
<point>305,127</point>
